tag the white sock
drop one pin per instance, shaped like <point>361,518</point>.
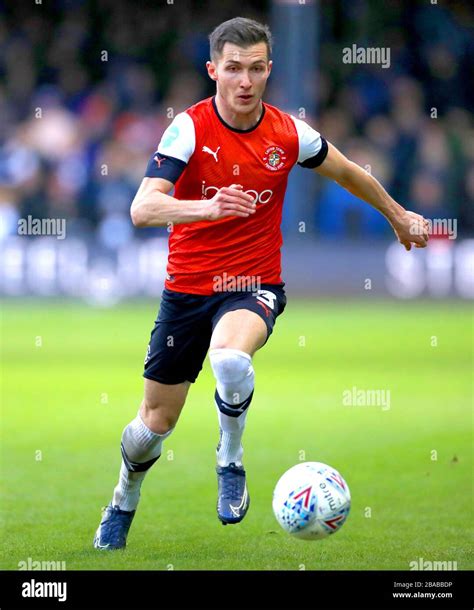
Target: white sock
<point>141,447</point>
<point>230,447</point>
<point>234,387</point>
<point>127,493</point>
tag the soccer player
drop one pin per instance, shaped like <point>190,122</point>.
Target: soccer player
<point>228,159</point>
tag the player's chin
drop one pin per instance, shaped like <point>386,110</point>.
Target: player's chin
<point>246,104</point>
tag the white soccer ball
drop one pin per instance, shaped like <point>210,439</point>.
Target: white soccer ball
<point>311,501</point>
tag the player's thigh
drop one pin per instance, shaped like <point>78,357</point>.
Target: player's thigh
<point>245,321</point>
<point>162,404</point>
<point>240,329</point>
<point>179,340</point>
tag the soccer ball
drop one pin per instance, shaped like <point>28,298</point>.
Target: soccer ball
<point>311,501</point>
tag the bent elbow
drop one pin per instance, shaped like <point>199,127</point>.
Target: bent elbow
<point>136,214</point>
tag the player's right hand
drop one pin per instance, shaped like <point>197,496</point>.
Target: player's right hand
<point>230,201</point>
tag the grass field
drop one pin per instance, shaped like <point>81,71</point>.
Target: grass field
<point>72,380</point>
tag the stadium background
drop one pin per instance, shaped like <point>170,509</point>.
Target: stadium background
<point>86,89</point>
<point>107,77</point>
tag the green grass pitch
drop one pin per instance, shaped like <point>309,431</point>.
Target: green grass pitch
<point>72,380</point>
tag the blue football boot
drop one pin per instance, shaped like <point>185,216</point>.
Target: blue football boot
<point>232,495</point>
<point>113,529</point>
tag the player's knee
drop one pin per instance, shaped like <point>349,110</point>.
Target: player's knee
<point>159,417</point>
<point>234,380</point>
<point>231,366</point>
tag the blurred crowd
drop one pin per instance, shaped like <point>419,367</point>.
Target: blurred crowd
<point>87,88</point>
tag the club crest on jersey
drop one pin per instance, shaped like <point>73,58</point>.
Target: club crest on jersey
<point>274,158</point>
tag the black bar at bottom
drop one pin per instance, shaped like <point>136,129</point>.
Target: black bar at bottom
<point>87,590</point>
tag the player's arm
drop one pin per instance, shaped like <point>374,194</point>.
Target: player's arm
<point>153,207</point>
<point>409,227</point>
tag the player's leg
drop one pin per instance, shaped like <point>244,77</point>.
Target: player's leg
<point>141,446</point>
<point>236,338</point>
<point>240,329</point>
<point>244,325</point>
<point>177,348</point>
<point>143,437</point>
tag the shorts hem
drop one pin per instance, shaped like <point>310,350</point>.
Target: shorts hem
<point>238,306</point>
<point>166,381</point>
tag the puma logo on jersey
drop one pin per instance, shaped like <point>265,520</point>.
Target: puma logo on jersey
<point>211,152</point>
<point>158,160</point>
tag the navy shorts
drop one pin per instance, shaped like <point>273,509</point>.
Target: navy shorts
<point>182,333</point>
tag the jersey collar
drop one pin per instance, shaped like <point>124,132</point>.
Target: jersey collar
<point>214,105</point>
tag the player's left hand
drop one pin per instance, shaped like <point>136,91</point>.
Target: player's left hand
<point>411,228</point>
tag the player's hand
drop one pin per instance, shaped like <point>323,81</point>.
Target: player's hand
<point>411,228</point>
<point>230,201</point>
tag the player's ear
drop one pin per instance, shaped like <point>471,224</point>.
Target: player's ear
<point>211,70</point>
<point>270,65</point>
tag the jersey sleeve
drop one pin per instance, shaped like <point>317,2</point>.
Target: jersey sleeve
<point>174,150</point>
<point>313,148</point>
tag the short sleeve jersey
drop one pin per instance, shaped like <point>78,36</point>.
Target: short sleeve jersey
<point>200,153</point>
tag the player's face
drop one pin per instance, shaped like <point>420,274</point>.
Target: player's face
<point>241,76</point>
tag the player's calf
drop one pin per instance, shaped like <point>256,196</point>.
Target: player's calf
<point>162,405</point>
<point>141,448</point>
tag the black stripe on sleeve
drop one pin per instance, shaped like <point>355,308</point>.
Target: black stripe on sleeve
<point>162,166</point>
<point>316,161</point>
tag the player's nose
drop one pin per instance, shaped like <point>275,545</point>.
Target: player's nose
<point>245,82</point>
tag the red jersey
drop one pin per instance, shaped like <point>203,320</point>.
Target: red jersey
<point>201,153</point>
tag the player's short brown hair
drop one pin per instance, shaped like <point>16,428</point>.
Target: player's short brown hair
<point>240,31</point>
